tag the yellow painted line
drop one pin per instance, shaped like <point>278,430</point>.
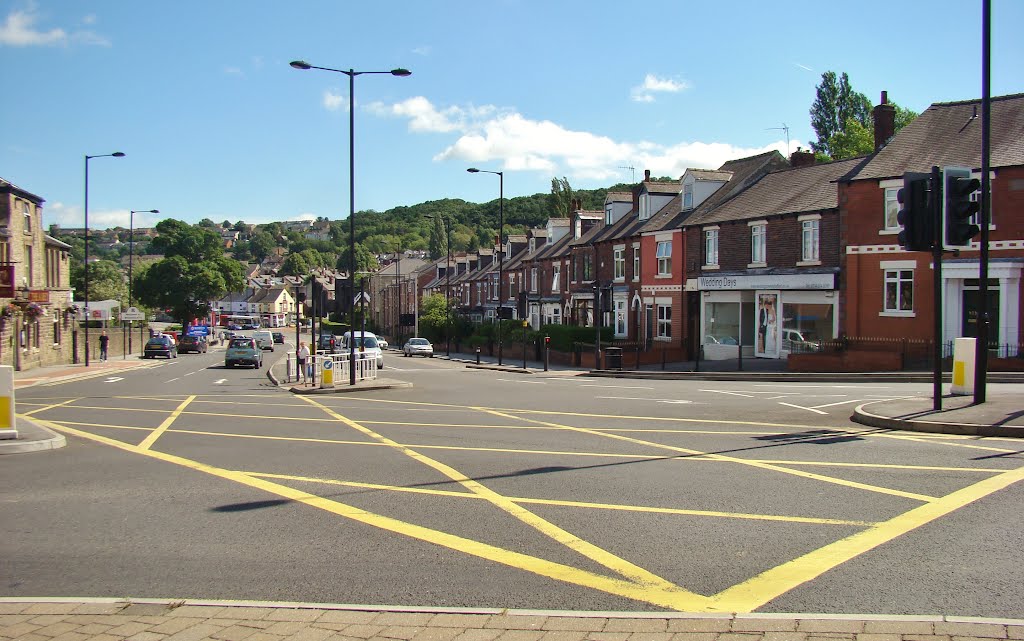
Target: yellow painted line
<point>158,432</point>
<point>757,591</point>
<point>573,504</point>
<point>751,463</point>
<point>607,559</point>
<point>48,407</point>
<point>673,598</point>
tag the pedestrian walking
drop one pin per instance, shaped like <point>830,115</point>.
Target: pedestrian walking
<point>302,358</point>
<point>104,341</point>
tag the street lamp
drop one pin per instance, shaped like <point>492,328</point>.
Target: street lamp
<point>351,73</point>
<point>501,246</point>
<point>116,154</point>
<point>447,287</point>
<point>131,256</point>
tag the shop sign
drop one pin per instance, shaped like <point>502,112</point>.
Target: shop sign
<point>768,281</point>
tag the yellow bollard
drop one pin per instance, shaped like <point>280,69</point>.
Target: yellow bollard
<point>8,428</point>
<point>963,367</point>
<point>326,372</point>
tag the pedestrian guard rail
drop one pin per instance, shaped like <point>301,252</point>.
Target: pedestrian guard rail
<point>338,369</point>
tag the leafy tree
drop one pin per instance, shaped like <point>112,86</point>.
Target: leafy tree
<point>294,265</point>
<point>107,281</point>
<point>206,222</point>
<point>853,140</point>
<point>260,245</point>
<point>365,260</point>
<point>438,238</point>
<point>434,315</point>
<point>193,272</point>
<point>240,251</point>
<point>240,226</point>
<point>835,104</point>
<point>561,197</point>
<point>226,224</point>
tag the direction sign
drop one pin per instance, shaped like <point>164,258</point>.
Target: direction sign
<point>198,330</point>
<point>132,314</point>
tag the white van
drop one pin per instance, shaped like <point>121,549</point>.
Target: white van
<point>264,339</point>
<point>365,344</point>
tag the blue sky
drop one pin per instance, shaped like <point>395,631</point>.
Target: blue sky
<point>215,124</point>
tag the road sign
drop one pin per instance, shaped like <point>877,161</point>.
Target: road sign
<point>132,314</point>
<point>198,330</point>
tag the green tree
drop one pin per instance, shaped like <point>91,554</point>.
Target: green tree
<point>240,251</point>
<point>260,245</point>
<point>438,237</point>
<point>365,260</point>
<point>434,316</point>
<point>193,272</point>
<point>853,140</point>
<point>835,104</point>
<point>107,281</point>
<point>206,222</point>
<point>561,197</point>
<point>294,265</point>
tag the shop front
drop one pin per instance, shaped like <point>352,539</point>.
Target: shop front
<point>765,315</point>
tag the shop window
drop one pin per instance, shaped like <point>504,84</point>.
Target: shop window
<point>721,323</point>
<point>805,325</point>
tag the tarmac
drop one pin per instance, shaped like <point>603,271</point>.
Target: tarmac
<point>140,619</point>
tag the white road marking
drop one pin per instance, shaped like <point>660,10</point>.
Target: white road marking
<point>801,385</point>
<point>809,409</point>
<point>618,386</point>
<point>839,403</point>
<point>644,398</point>
<point>722,391</point>
<point>173,379</point>
<point>220,381</point>
<point>114,379</point>
<point>511,380</point>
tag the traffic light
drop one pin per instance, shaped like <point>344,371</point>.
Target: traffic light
<point>958,208</point>
<point>915,215</point>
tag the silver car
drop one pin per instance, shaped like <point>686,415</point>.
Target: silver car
<point>418,347</point>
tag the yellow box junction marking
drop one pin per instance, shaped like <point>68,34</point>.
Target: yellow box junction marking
<point>159,431</point>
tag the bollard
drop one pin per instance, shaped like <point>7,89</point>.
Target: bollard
<point>477,355</point>
<point>288,367</point>
<point>326,372</point>
<point>963,367</point>
<point>8,428</point>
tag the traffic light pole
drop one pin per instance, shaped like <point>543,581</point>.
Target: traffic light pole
<point>981,347</point>
<point>935,210</point>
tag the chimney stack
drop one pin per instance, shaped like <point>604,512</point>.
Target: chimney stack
<point>647,175</point>
<point>801,158</point>
<point>885,121</point>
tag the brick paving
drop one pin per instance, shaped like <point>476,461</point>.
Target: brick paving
<point>109,620</point>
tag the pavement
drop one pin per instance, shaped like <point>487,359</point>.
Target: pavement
<point>131,619</point>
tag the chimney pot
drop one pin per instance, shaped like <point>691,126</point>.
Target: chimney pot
<point>647,175</point>
<point>885,97</point>
<point>801,158</point>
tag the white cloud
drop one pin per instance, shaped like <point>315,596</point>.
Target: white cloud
<point>422,51</point>
<point>333,101</point>
<point>72,217</point>
<point>653,84</point>
<point>518,143</point>
<point>19,30</point>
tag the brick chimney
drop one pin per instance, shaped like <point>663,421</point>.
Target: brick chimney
<point>647,175</point>
<point>801,158</point>
<point>885,121</point>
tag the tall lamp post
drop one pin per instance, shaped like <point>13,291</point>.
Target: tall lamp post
<point>447,287</point>
<point>131,255</point>
<point>116,154</point>
<point>501,245</point>
<point>351,73</point>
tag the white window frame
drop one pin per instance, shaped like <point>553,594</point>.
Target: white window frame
<point>645,206</point>
<point>619,262</point>
<point>664,257</point>
<point>899,274</point>
<point>687,196</point>
<point>556,278</point>
<point>608,214</point>
<point>711,247</point>
<point>892,207</point>
<point>664,320</point>
<point>758,243</point>
<point>26,212</point>
<point>636,262</point>
<point>533,279</point>
<point>810,240</point>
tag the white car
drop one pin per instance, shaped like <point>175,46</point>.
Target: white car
<point>366,346</point>
<point>418,347</point>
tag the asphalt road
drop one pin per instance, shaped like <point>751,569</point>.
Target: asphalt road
<point>480,488</point>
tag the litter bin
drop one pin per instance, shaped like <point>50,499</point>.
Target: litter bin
<point>613,358</point>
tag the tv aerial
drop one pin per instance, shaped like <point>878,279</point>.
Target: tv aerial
<point>785,128</point>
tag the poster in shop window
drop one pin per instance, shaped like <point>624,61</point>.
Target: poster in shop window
<point>767,345</point>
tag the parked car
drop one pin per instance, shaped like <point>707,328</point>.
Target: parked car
<point>800,340</point>
<point>243,351</point>
<point>328,343</point>
<point>160,346</point>
<point>382,342</point>
<point>264,339</point>
<point>418,347</point>
<point>279,338</point>
<point>234,326</point>
<point>195,344</point>
<point>250,326</point>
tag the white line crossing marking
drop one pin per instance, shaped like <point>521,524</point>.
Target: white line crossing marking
<point>801,407</point>
<point>511,380</point>
<point>722,391</point>
<point>173,379</point>
<point>114,379</point>
<point>644,398</point>
<point>220,381</point>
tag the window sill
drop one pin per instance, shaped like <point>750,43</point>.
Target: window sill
<point>889,232</point>
<point>897,314</point>
<point>663,276</point>
<point>663,339</point>
<point>808,263</point>
<point>709,267</point>
<point>755,265</point>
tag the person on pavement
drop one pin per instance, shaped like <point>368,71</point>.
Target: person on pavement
<point>104,342</point>
<point>302,356</point>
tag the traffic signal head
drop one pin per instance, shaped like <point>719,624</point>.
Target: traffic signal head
<point>958,208</point>
<point>915,215</point>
